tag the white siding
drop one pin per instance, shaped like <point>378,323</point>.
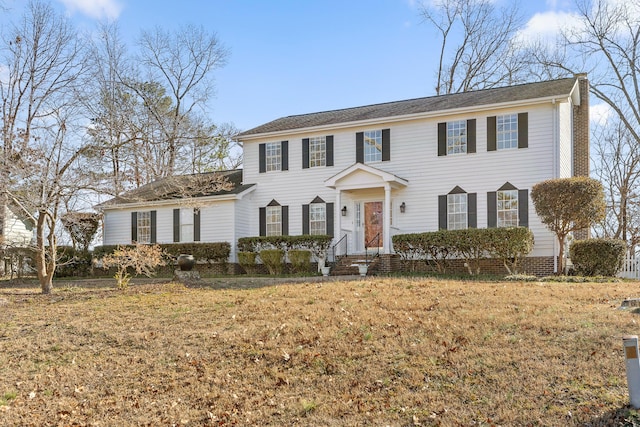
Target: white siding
<point>117,227</point>
<point>414,158</point>
<point>16,232</point>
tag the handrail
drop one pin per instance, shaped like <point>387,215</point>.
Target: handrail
<point>367,245</point>
<point>334,247</point>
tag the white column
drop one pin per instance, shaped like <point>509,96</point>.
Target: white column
<point>386,227</point>
<point>337,215</point>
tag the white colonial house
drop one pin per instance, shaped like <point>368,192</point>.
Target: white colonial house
<point>366,173</point>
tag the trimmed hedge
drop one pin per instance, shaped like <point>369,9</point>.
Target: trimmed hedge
<point>472,245</point>
<point>217,252</point>
<point>313,243</point>
<point>597,257</point>
<point>300,260</point>
<point>273,259</point>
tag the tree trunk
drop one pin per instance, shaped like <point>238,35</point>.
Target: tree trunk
<point>44,269</point>
<point>561,240</point>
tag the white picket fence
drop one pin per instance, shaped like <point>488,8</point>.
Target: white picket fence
<point>630,267</point>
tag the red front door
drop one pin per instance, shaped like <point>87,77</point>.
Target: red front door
<point>373,224</point>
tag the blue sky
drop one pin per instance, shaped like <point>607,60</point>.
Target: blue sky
<point>292,57</point>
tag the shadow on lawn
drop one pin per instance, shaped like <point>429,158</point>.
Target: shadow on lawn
<point>625,416</point>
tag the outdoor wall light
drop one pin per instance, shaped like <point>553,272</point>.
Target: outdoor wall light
<point>344,211</point>
<point>403,207</point>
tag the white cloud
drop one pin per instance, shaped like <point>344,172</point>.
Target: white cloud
<point>599,114</point>
<point>547,25</point>
<point>95,8</point>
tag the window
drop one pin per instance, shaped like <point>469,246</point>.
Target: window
<point>456,211</point>
<point>186,225</point>
<point>317,151</point>
<point>507,131</point>
<point>317,218</point>
<point>456,137</point>
<point>144,227</point>
<point>274,221</point>
<point>273,156</point>
<point>507,208</point>
<point>372,146</point>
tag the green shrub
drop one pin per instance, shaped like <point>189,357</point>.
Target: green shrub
<point>472,245</point>
<point>72,263</point>
<point>273,259</point>
<point>597,257</point>
<point>247,260</point>
<point>510,245</point>
<point>300,260</point>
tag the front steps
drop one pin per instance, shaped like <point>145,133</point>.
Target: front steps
<point>348,265</point>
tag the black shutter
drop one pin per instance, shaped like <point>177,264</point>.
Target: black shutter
<point>442,139</point>
<point>196,225</point>
<point>262,158</point>
<point>472,210</point>
<point>176,225</point>
<point>359,147</point>
<point>153,227</point>
<point>284,153</point>
<point>492,209</point>
<point>263,221</point>
<point>523,130</point>
<point>284,212</point>
<point>329,216</point>
<point>386,145</point>
<point>305,219</point>
<point>305,153</point>
<point>329,150</point>
<point>491,133</point>
<point>523,208</point>
<point>471,136</point>
<point>442,212</point>
<point>134,227</point>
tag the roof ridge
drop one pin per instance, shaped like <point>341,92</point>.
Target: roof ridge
<point>426,97</point>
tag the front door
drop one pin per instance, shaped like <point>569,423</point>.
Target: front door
<point>373,224</point>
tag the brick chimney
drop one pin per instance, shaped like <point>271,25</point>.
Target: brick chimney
<point>581,128</point>
<point>581,139</point>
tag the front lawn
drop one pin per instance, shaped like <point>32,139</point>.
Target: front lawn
<point>395,351</point>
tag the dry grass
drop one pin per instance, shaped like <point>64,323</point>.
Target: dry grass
<point>396,352</point>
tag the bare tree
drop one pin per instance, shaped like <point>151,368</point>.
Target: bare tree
<point>478,48</point>
<point>605,42</point>
<point>619,167</point>
<point>150,121</point>
<point>42,54</point>
<point>183,63</point>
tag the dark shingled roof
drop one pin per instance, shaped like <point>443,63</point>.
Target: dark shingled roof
<point>184,186</point>
<point>561,87</point>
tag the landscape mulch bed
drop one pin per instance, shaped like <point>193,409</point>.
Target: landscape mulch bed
<point>317,352</point>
